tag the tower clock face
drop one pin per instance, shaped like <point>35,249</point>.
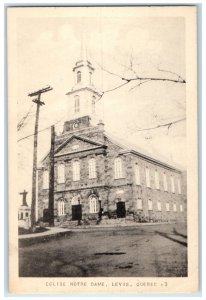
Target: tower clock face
<point>75,125</point>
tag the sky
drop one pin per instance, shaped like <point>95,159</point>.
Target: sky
<point>47,47</point>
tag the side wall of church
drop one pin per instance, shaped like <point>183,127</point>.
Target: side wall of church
<point>109,190</point>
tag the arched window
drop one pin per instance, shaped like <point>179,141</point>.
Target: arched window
<point>76,171</point>
<point>137,174</point>
<point>93,104</point>
<point>167,206</point>
<point>92,168</point>
<point>93,204</point>
<point>61,207</point>
<point>79,76</point>
<point>174,207</point>
<point>61,173</point>
<point>76,104</point>
<point>76,200</point>
<point>45,179</point>
<point>118,168</point>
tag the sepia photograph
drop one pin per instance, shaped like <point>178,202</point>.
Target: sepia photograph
<point>102,149</point>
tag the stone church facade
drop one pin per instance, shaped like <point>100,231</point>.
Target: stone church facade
<point>95,172</point>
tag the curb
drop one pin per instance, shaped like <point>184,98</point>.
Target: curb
<point>27,241</point>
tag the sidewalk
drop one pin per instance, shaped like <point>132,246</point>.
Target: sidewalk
<point>59,231</point>
<point>50,232</point>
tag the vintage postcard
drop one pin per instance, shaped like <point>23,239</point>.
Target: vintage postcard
<point>102,123</point>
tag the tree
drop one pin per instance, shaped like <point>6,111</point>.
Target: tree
<point>135,80</point>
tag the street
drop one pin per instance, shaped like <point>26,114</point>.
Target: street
<point>140,251</point>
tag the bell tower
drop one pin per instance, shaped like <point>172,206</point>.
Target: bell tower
<point>83,96</point>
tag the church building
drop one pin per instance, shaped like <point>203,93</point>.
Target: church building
<point>95,172</point>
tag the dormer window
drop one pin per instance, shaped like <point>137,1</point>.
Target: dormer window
<point>76,104</point>
<point>79,76</point>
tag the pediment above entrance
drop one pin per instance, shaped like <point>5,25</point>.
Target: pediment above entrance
<point>77,144</point>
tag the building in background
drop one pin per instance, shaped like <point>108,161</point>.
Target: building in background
<point>24,213</point>
<point>96,172</point>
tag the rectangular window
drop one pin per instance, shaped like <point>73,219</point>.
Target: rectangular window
<point>76,171</point>
<point>181,207</point>
<point>147,177</point>
<point>118,168</point>
<point>174,207</point>
<point>137,174</point>
<point>179,186</point>
<point>149,204</point>
<point>157,181</point>
<point>172,184</point>
<point>139,203</point>
<point>159,206</point>
<point>165,182</point>
<point>167,207</point>
<point>61,173</point>
<point>46,179</point>
<point>92,168</point>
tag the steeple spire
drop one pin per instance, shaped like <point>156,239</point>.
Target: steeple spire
<point>83,54</point>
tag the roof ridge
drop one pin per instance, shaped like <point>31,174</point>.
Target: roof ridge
<point>141,151</point>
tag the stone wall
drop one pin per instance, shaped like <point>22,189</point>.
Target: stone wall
<point>110,190</point>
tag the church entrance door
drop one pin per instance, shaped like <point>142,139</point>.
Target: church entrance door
<point>76,212</point>
<point>76,208</point>
<point>121,211</point>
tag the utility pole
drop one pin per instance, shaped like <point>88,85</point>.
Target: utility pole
<point>51,179</point>
<point>33,199</point>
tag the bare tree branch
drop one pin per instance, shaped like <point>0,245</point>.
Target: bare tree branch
<point>168,125</point>
<point>179,80</point>
<point>140,83</point>
<point>115,88</point>
<point>23,120</point>
<point>109,72</point>
<point>166,71</point>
